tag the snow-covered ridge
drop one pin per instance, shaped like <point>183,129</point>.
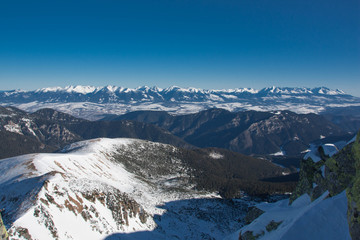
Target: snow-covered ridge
<point>85,193</point>
<point>59,189</point>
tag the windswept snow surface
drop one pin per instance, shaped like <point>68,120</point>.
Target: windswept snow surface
<point>83,193</point>
<point>324,218</point>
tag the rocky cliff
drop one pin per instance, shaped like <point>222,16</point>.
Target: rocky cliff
<point>334,174</point>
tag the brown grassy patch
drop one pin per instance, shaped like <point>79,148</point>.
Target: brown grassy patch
<point>59,165</point>
<point>44,201</point>
<point>78,206</point>
<point>69,206</point>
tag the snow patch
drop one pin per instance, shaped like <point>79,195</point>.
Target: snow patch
<point>280,153</point>
<point>322,168</point>
<point>28,125</point>
<point>229,96</point>
<point>312,153</point>
<point>330,149</point>
<point>216,155</point>
<point>13,127</point>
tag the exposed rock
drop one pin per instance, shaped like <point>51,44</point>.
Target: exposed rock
<point>310,173</point>
<point>121,205</point>
<point>45,218</point>
<point>353,194</point>
<point>252,214</point>
<point>249,235</point>
<point>22,233</point>
<point>3,233</point>
<point>123,208</point>
<point>273,225</point>
<point>334,174</point>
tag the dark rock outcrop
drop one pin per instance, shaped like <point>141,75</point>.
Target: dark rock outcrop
<point>335,174</point>
<point>253,214</point>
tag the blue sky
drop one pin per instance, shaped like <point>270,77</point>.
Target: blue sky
<point>206,44</point>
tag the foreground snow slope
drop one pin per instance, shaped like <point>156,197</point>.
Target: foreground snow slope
<point>83,193</point>
<point>324,218</point>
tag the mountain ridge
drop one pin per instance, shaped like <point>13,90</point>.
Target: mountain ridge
<point>47,130</point>
<point>248,132</point>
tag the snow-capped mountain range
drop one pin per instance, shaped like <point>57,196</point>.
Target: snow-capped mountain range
<point>95,102</point>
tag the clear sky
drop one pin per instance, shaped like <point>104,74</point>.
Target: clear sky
<point>206,44</point>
